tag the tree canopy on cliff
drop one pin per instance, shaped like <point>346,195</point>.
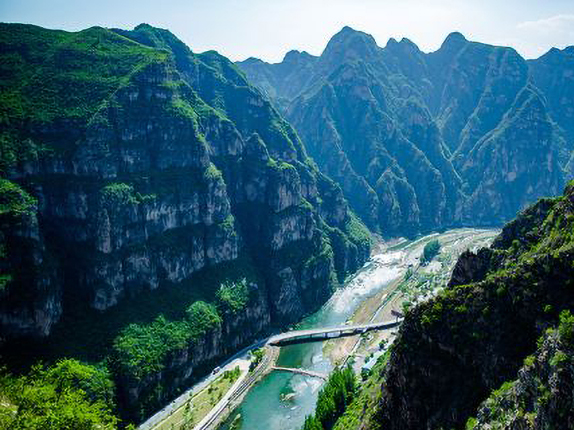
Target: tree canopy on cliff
<point>430,251</point>
<point>68,395</point>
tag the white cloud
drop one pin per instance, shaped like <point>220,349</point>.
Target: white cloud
<point>563,23</point>
<point>534,38</point>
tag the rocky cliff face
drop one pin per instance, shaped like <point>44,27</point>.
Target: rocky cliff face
<point>541,396</point>
<point>553,73</point>
<point>455,350</point>
<point>421,140</point>
<point>154,166</point>
<point>37,306</point>
<point>140,396</point>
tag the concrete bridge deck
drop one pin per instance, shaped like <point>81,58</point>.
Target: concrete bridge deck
<point>300,336</point>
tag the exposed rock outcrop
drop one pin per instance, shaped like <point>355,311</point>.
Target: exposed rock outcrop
<point>155,166</point>
<point>467,135</point>
<point>455,350</point>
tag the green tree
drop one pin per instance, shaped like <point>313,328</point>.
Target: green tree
<point>430,251</point>
<point>56,398</point>
<point>333,399</point>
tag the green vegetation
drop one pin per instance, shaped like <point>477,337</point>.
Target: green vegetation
<point>14,151</point>
<point>361,410</point>
<point>80,99</point>
<point>202,317</point>
<point>118,193</point>
<point>14,201</point>
<point>358,233</point>
<point>233,296</point>
<point>538,393</point>
<point>16,207</point>
<point>526,284</point>
<point>142,349</point>
<point>334,398</point>
<point>68,395</point>
<point>430,251</point>
<point>53,74</point>
<point>200,404</point>
<point>257,357</point>
<point>566,327</point>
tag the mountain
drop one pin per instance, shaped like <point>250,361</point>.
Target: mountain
<point>494,349</point>
<point>422,141</point>
<point>553,73</point>
<point>157,212</point>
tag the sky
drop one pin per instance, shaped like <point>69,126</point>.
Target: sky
<point>267,29</point>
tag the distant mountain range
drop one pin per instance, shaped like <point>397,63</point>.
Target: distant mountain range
<point>467,135</point>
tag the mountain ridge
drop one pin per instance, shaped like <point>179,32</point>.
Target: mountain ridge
<point>470,92</point>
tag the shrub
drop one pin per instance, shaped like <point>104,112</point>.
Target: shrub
<point>202,317</point>
<point>69,395</point>
<point>566,327</point>
<point>258,355</point>
<point>14,201</point>
<point>142,349</point>
<point>430,251</point>
<point>233,296</point>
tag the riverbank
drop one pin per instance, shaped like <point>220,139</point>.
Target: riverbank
<point>416,283</point>
<point>234,397</point>
<point>279,400</point>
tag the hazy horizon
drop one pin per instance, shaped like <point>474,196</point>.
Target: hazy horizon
<point>269,29</point>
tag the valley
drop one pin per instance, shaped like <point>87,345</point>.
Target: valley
<point>370,238</point>
<point>280,400</point>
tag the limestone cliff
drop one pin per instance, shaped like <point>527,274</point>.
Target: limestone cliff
<point>152,168</point>
<point>454,351</point>
<point>467,135</point>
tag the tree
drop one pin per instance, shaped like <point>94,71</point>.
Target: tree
<point>61,397</point>
<point>430,251</point>
<point>333,399</point>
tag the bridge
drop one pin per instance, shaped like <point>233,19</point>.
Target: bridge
<point>301,372</point>
<point>301,336</point>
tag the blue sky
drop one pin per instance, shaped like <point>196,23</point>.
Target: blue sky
<point>269,28</point>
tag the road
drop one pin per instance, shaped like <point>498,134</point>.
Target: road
<point>154,421</point>
<point>246,381</point>
<point>234,394</point>
<point>222,404</point>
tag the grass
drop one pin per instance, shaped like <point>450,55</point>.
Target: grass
<point>195,409</point>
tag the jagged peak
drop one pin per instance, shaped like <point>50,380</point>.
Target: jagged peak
<point>408,42</point>
<point>252,60</point>
<point>455,36</point>
<point>350,44</point>
<point>294,56</point>
<point>347,33</point>
<point>556,53</point>
<point>404,45</point>
<point>454,40</point>
<point>143,26</point>
<point>391,42</point>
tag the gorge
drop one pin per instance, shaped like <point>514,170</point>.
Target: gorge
<point>161,209</point>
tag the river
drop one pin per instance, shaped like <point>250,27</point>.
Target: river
<point>282,400</point>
